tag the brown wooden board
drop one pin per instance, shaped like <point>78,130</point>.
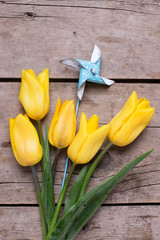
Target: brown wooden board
<point>38,34</point>
<point>109,223</point>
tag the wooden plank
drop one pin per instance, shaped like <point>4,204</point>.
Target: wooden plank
<point>109,223</point>
<point>142,7</point>
<point>45,32</point>
<point>98,99</point>
<point>143,4</point>
<point>141,185</point>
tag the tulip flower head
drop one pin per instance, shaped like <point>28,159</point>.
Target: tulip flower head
<point>130,121</point>
<point>34,93</point>
<point>88,140</point>
<point>24,140</point>
<point>63,125</point>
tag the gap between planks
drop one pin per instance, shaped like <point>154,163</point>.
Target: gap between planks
<point>66,80</point>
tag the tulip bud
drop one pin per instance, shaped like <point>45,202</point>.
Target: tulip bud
<point>88,140</point>
<point>63,125</point>
<point>130,121</point>
<point>34,93</point>
<point>24,140</point>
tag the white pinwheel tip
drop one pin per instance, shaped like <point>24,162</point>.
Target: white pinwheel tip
<point>71,62</point>
<point>107,81</point>
<point>96,54</point>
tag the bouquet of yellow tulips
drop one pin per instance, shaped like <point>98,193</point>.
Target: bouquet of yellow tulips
<point>29,148</point>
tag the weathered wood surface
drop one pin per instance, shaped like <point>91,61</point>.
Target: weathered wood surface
<point>141,185</point>
<point>109,223</point>
<point>38,34</point>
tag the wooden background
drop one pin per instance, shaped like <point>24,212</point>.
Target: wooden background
<point>38,34</point>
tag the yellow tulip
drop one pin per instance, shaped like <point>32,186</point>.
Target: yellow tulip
<point>24,140</point>
<point>63,125</point>
<point>88,140</point>
<point>34,93</point>
<point>130,121</point>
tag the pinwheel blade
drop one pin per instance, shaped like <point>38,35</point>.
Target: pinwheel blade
<point>71,62</point>
<point>96,54</point>
<point>107,81</point>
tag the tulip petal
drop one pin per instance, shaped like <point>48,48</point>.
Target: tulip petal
<point>32,96</point>
<point>11,122</point>
<point>54,121</point>
<point>25,141</point>
<point>92,124</point>
<point>133,127</point>
<point>31,72</point>
<point>43,79</point>
<point>63,135</point>
<point>92,144</point>
<point>117,122</point>
<point>76,144</point>
<point>143,103</point>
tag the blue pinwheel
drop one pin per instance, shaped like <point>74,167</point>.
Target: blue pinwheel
<point>89,71</point>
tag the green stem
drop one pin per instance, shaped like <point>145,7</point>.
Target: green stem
<point>55,162</point>
<point>41,141</point>
<point>38,190</point>
<point>92,168</point>
<point>60,200</point>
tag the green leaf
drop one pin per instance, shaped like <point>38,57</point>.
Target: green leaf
<point>47,189</point>
<point>38,190</point>
<point>95,202</point>
<point>75,189</point>
<point>61,197</point>
<point>74,220</point>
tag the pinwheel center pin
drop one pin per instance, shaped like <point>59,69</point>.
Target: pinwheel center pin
<point>93,71</point>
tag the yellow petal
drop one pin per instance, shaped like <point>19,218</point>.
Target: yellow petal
<point>133,127</point>
<point>92,124</point>
<point>92,144</point>
<point>118,121</point>
<point>31,72</point>
<point>32,96</point>
<point>65,129</point>
<point>79,139</point>
<point>11,122</point>
<point>143,103</point>
<point>54,121</point>
<point>43,79</point>
<point>25,141</point>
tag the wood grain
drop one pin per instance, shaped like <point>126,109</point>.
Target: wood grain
<point>109,223</point>
<point>141,185</point>
<point>38,34</point>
